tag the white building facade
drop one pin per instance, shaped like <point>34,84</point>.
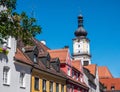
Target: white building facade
<point>14,76</point>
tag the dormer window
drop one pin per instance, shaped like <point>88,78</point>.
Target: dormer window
<point>35,58</point>
<point>105,88</point>
<point>112,87</point>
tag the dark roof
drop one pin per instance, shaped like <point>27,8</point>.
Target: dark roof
<point>20,56</point>
<point>51,70</point>
<point>80,32</point>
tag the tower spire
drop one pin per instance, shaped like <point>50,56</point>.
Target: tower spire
<point>81,48</point>
<point>80,21</point>
<point>80,32</point>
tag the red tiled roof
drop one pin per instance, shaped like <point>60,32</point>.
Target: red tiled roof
<point>103,72</point>
<point>19,55</point>
<point>60,53</point>
<point>111,82</point>
<point>91,68</point>
<point>77,65</point>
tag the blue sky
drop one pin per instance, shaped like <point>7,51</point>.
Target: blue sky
<point>58,19</point>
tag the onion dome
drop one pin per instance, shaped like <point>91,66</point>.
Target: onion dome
<point>80,32</point>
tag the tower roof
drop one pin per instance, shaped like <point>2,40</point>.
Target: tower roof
<point>80,32</point>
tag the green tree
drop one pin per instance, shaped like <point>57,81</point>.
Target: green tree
<point>17,25</point>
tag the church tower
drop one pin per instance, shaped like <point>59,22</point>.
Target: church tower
<point>81,44</point>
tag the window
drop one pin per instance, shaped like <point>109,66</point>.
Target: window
<point>105,88</point>
<point>57,87</point>
<point>76,76</point>
<point>69,71</point>
<point>35,58</point>
<point>78,89</point>
<point>68,88</point>
<point>78,51</point>
<point>112,88</point>
<point>72,74</point>
<point>81,78</point>
<point>36,85</point>
<point>78,45</point>
<point>22,79</point>
<point>62,88</point>
<point>6,75</point>
<point>86,63</point>
<point>44,85</point>
<point>51,86</point>
<point>72,89</point>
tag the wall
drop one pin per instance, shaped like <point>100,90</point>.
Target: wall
<point>48,77</point>
<point>15,69</point>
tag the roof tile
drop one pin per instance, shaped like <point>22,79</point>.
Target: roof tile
<point>111,82</point>
<point>60,53</point>
<point>19,55</point>
<point>104,72</point>
<point>91,68</point>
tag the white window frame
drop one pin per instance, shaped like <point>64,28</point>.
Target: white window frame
<point>44,85</point>
<point>77,77</point>
<point>69,71</point>
<point>22,79</point>
<point>6,75</point>
<point>35,58</point>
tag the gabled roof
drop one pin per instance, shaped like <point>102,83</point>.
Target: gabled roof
<point>77,64</point>
<point>41,46</point>
<point>20,56</point>
<point>60,53</point>
<point>111,82</point>
<point>92,68</point>
<point>103,72</point>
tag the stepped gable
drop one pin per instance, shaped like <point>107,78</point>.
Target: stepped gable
<point>91,68</point>
<point>111,82</point>
<point>103,72</point>
<point>20,56</point>
<point>60,53</point>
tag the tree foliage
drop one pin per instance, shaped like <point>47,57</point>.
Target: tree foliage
<point>17,25</point>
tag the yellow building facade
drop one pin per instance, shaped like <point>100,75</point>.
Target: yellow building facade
<point>42,81</point>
